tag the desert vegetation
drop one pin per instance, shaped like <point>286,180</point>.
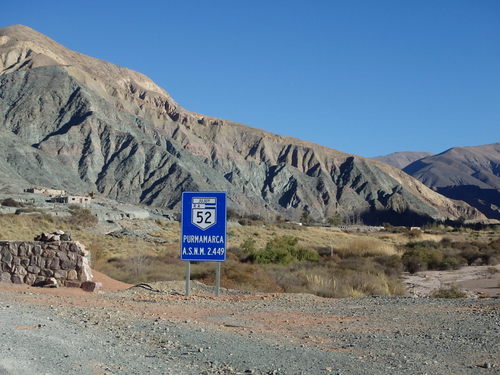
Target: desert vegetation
<point>9,202</point>
<point>452,291</point>
<point>269,257</point>
<point>447,254</point>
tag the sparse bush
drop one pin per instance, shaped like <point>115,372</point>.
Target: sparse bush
<point>162,222</point>
<point>305,218</point>
<point>450,292</point>
<point>414,234</point>
<point>29,210</point>
<point>329,253</point>
<point>452,262</point>
<point>97,252</point>
<point>244,221</point>
<point>246,249</point>
<point>427,244</point>
<point>445,242</point>
<point>138,262</point>
<point>429,255</point>
<point>48,218</point>
<point>9,202</point>
<point>335,220</point>
<point>252,219</point>
<point>143,268</point>
<point>201,271</point>
<point>292,226</point>
<point>247,276</point>
<point>434,228</point>
<point>232,214</point>
<point>448,254</point>
<point>364,246</point>
<point>336,281</point>
<point>471,254</point>
<point>421,259</point>
<point>81,217</point>
<point>248,245</point>
<point>287,278</point>
<point>495,244</point>
<point>392,264</point>
<point>492,271</point>
<point>392,229</point>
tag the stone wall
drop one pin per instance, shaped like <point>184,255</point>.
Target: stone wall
<point>39,263</point>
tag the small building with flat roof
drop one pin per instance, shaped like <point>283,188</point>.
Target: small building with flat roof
<point>72,199</point>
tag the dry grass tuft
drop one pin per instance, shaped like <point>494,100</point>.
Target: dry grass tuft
<point>364,246</point>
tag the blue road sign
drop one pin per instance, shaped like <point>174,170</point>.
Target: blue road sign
<point>203,226</point>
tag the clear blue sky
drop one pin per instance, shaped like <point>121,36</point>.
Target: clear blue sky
<point>365,77</point>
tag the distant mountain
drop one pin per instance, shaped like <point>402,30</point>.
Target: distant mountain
<point>471,174</point>
<point>402,159</point>
<point>78,123</point>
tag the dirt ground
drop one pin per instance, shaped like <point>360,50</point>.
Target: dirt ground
<point>131,330</point>
<point>476,281</point>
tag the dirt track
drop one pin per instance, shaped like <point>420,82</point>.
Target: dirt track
<point>474,280</point>
<point>136,332</point>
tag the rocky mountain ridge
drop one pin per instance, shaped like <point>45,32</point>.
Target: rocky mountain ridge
<point>471,174</point>
<point>75,122</point>
<point>402,158</point>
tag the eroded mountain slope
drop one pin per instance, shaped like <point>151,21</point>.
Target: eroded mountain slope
<point>471,174</point>
<point>92,125</point>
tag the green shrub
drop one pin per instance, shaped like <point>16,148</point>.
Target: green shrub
<point>244,251</point>
<point>248,245</point>
<point>283,250</point>
<point>421,259</point>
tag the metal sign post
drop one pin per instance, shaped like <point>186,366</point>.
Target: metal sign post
<point>217,280</point>
<point>203,231</point>
<point>188,278</point>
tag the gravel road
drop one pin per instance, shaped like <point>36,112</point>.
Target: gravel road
<point>142,332</point>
